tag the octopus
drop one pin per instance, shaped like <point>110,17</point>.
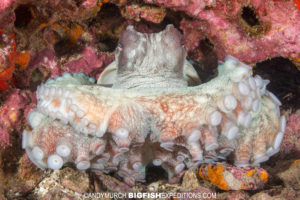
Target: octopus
<point>148,108</point>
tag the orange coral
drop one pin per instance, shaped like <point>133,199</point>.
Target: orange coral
<point>296,163</point>
<point>215,176</point>
<point>264,176</point>
<point>251,172</point>
<point>75,33</point>
<point>228,177</point>
<point>22,59</point>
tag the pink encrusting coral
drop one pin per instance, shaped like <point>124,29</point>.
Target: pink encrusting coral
<point>5,4</point>
<point>149,13</point>
<point>291,141</point>
<point>90,62</point>
<point>17,105</point>
<point>252,30</point>
<point>47,64</point>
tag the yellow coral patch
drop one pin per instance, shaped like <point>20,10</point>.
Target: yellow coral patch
<point>296,163</point>
<point>264,176</point>
<point>75,33</point>
<point>251,172</point>
<point>243,187</point>
<point>13,116</point>
<point>215,176</point>
<point>22,59</point>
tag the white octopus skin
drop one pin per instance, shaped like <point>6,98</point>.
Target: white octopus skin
<point>104,128</point>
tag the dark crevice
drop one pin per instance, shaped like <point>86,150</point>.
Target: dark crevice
<point>207,67</point>
<point>109,16</point>
<point>23,15</point>
<point>108,11</point>
<point>107,44</point>
<point>66,47</point>
<point>285,82</point>
<point>249,16</point>
<point>154,173</point>
<point>78,2</point>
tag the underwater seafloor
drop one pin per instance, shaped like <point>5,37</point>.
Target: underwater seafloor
<point>43,39</point>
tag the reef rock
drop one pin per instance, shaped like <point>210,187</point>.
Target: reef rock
<point>291,176</point>
<point>228,177</point>
<point>251,31</point>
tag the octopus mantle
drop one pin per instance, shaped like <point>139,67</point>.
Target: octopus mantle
<point>232,117</point>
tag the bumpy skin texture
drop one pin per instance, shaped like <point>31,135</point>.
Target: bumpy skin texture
<point>151,116</point>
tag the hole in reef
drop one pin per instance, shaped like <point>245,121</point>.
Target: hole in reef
<point>78,2</point>
<point>23,15</point>
<point>36,78</point>
<point>110,17</point>
<point>207,67</point>
<point>108,11</point>
<point>249,16</point>
<point>285,82</point>
<point>66,47</point>
<point>107,44</point>
<point>155,173</point>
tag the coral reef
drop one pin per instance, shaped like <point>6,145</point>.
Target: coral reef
<point>136,12</point>
<point>51,38</point>
<point>291,141</point>
<point>251,31</point>
<point>227,177</point>
<point>291,176</point>
<point>7,56</point>
<point>150,111</point>
<point>16,104</point>
<point>63,184</point>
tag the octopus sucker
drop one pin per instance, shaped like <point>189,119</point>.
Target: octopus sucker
<point>153,114</point>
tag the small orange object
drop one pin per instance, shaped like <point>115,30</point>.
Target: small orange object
<point>43,25</point>
<point>215,176</point>
<point>251,172</point>
<point>22,59</point>
<point>264,176</point>
<point>296,163</point>
<point>75,33</point>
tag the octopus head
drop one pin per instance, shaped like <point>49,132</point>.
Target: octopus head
<point>142,56</point>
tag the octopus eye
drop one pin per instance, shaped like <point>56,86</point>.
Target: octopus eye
<point>119,47</point>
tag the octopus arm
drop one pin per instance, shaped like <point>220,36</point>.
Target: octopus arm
<point>124,130</point>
